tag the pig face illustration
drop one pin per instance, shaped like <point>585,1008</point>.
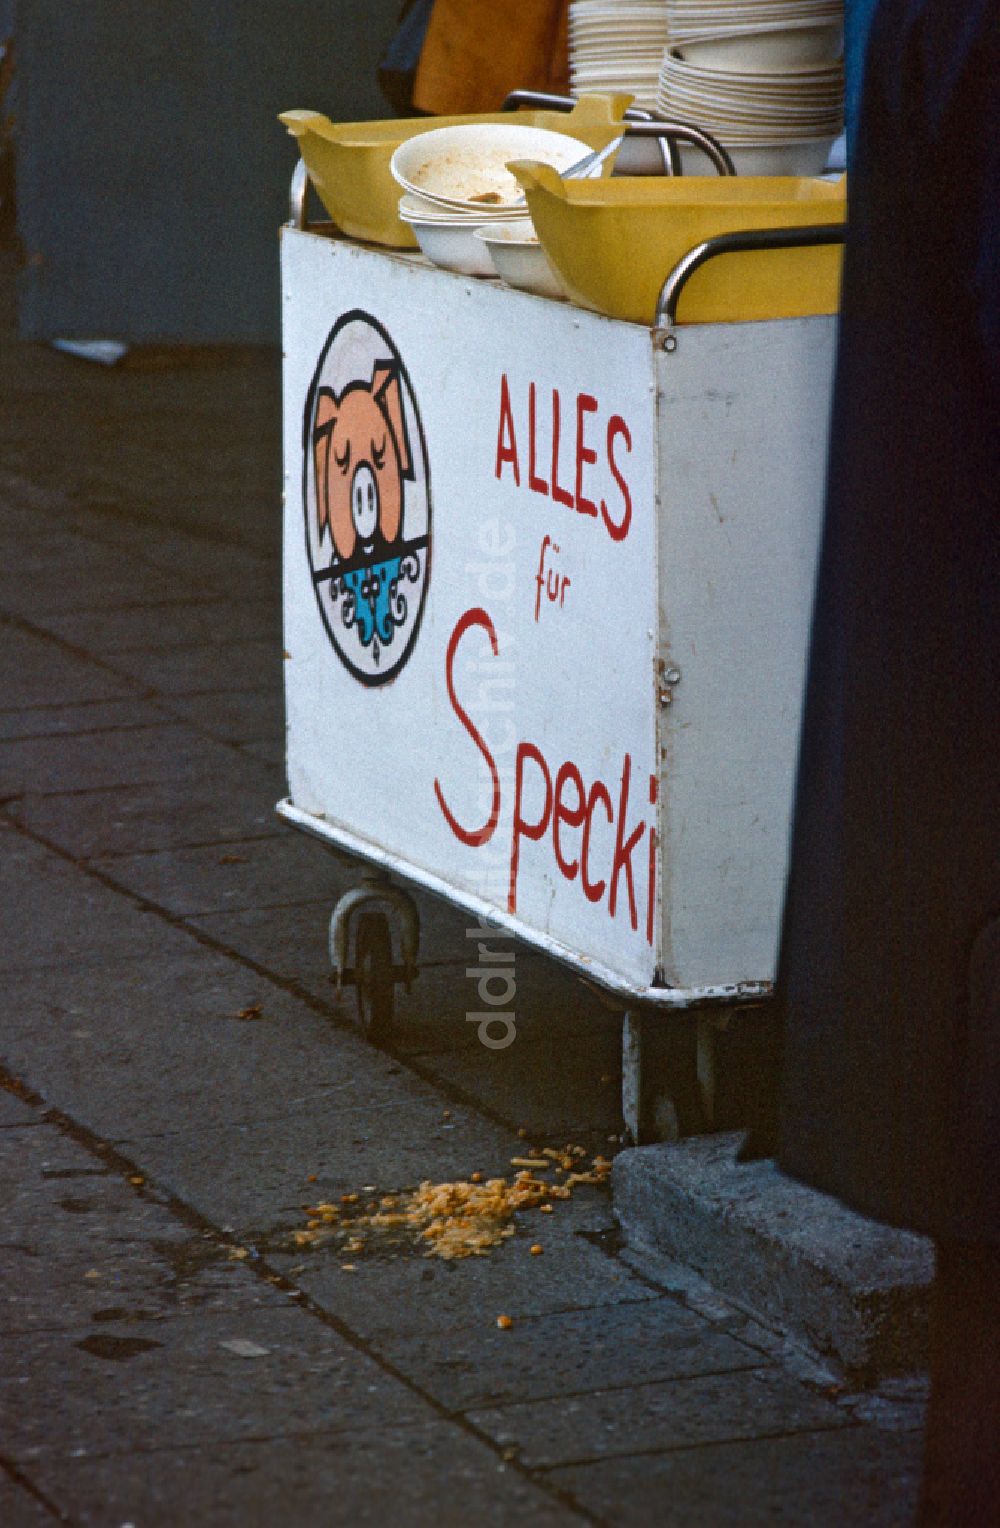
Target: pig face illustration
<point>362,459</point>
<point>367,499</point>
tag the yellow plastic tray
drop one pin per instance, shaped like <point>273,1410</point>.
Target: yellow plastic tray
<point>348,162</point>
<point>614,241</point>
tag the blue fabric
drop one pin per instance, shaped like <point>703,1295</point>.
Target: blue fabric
<point>397,67</point>
<point>857,22</point>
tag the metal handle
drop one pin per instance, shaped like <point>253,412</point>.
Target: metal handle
<point>297,192</point>
<point>733,243</point>
<point>542,100</point>
<point>642,124</point>
<point>670,132</point>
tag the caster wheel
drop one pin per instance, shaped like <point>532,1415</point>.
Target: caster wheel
<point>375,986</point>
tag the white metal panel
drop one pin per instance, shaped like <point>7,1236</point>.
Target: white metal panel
<point>743,412</point>
<point>565,590</point>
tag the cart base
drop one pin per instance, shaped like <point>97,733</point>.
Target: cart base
<point>648,1115</point>
<point>632,994</point>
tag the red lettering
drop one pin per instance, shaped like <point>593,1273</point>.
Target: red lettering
<point>585,404</point>
<point>623,849</point>
<point>618,530</point>
<point>506,440</point>
<point>532,830</point>
<point>471,836</point>
<point>559,494</point>
<point>571,816</point>
<point>534,481</point>
<point>593,890</point>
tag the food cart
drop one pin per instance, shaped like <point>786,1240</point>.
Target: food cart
<point>547,589</point>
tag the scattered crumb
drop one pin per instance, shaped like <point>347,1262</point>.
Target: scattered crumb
<point>504,1323</point>
<point>454,1220</point>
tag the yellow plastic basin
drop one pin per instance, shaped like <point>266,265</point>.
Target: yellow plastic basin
<point>348,162</point>
<point>614,241</point>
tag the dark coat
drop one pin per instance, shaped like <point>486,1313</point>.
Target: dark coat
<point>890,965</point>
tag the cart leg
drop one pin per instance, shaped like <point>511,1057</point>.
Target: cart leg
<point>669,1077</point>
<point>708,1026</point>
<point>374,974</point>
<point>705,1068</point>
<point>632,1078</point>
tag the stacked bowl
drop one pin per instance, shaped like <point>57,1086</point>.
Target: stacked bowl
<point>455,182</point>
<point>617,45</point>
<point>764,76</point>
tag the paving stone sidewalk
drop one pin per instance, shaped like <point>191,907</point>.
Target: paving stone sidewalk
<point>178,1080</point>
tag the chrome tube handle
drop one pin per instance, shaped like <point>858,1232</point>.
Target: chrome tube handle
<point>543,100</point>
<point>746,239</point>
<point>670,133</point>
<point>297,192</point>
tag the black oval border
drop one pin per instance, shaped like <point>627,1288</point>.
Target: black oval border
<point>371,681</point>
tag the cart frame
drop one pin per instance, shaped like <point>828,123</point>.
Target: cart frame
<point>354,923</point>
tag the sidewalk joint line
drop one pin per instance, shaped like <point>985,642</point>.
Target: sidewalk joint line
<point>752,1366</point>
<point>18,1476</point>
<point>701,1444</point>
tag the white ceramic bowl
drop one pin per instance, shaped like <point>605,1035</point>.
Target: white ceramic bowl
<point>804,156</point>
<point>448,239</point>
<point>465,167</point>
<point>639,156</point>
<point>518,258</point>
<point>417,209</point>
<point>454,247</point>
<point>794,45</point>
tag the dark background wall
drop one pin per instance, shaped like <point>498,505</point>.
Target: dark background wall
<point>151,172</point>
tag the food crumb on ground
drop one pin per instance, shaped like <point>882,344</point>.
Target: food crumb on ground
<point>453,1220</point>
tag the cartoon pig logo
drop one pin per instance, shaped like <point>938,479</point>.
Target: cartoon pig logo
<point>362,457</point>
<point>367,499</point>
